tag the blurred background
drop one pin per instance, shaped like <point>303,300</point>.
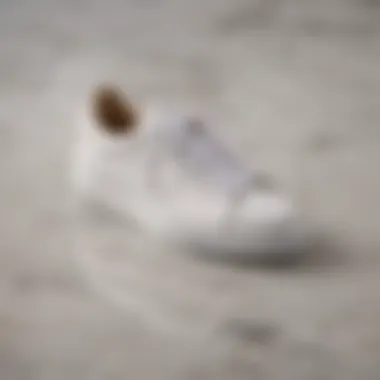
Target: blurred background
<point>294,82</point>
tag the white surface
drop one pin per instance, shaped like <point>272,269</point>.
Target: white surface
<point>280,83</point>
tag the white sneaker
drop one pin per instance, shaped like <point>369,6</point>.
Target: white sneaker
<point>110,162</point>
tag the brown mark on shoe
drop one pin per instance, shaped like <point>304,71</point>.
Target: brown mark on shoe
<point>113,111</point>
